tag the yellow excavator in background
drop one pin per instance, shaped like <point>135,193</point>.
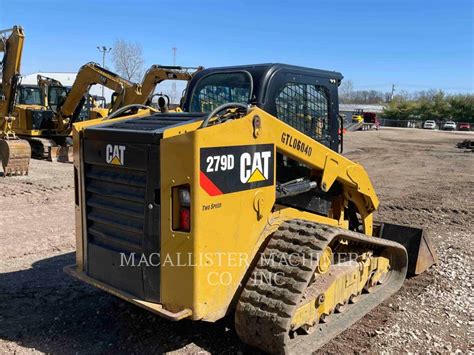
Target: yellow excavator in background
<point>136,103</point>
<point>153,77</point>
<point>44,121</point>
<point>15,153</point>
<point>88,75</point>
<point>44,115</point>
<point>128,97</point>
<point>54,91</point>
<point>54,94</point>
<point>33,121</point>
<point>67,105</point>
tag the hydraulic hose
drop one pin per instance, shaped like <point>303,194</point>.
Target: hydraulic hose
<point>126,108</point>
<point>221,108</point>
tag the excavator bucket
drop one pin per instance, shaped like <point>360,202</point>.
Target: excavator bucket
<point>15,155</point>
<point>421,254</point>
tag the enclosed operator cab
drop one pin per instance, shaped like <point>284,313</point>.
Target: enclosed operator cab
<point>304,98</point>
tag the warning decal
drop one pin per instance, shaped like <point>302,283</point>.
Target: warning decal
<point>231,169</point>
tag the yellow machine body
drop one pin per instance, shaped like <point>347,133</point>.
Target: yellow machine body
<point>252,219</point>
<point>204,208</point>
<point>358,116</point>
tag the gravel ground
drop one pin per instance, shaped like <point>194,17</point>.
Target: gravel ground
<point>420,177</point>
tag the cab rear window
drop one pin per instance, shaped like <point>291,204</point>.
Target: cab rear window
<point>221,88</point>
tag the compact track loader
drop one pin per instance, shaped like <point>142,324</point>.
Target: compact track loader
<point>242,204</point>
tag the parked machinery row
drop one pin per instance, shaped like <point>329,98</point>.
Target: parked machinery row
<point>37,120</point>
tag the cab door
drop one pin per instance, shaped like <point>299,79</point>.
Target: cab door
<point>306,102</point>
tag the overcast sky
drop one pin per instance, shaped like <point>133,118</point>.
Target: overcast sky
<point>416,44</point>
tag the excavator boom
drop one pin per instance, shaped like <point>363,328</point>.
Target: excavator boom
<point>91,74</point>
<point>12,47</point>
<point>154,76</point>
<point>14,153</point>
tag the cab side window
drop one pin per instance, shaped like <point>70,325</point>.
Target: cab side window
<point>305,107</point>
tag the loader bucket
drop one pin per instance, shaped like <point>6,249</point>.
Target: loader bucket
<point>421,254</point>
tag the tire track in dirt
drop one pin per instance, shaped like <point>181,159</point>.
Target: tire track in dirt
<point>28,188</point>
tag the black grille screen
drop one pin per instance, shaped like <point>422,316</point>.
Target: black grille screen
<point>115,207</point>
<point>150,123</point>
<point>121,226</point>
<point>305,107</point>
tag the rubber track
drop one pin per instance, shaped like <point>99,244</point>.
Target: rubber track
<point>265,309</point>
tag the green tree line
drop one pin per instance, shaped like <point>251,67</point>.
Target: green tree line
<point>418,105</point>
<point>433,105</point>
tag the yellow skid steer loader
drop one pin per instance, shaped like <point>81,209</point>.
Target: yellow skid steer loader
<point>240,204</point>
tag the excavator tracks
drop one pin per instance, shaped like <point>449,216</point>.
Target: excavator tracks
<point>40,147</point>
<point>48,149</point>
<point>15,156</point>
<point>266,309</point>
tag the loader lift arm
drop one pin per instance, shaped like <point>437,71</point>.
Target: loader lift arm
<point>331,165</point>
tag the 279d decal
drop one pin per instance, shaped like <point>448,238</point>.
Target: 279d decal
<point>231,169</point>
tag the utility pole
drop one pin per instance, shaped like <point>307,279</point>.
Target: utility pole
<point>173,85</point>
<point>104,50</point>
<point>393,91</point>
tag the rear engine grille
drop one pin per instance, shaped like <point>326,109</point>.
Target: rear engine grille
<point>115,199</point>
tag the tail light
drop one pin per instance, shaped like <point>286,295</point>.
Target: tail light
<point>182,208</point>
<point>185,219</point>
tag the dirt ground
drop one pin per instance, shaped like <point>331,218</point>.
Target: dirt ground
<point>421,179</point>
